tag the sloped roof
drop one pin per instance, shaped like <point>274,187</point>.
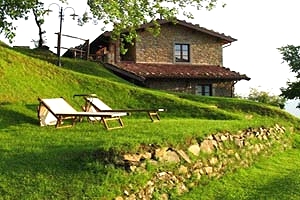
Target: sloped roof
<point>197,27</point>
<point>226,39</point>
<point>143,71</point>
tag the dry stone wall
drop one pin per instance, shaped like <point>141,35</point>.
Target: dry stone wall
<point>212,157</point>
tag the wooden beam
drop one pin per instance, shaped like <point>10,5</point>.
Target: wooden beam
<point>73,37</point>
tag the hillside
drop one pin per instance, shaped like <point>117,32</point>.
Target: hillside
<point>24,78</point>
<point>80,162</point>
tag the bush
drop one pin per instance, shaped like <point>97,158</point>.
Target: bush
<point>265,97</point>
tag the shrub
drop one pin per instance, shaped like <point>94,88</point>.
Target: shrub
<point>265,97</point>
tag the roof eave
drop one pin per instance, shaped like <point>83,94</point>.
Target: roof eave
<point>244,77</point>
<point>124,72</point>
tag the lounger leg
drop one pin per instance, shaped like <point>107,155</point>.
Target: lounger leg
<point>154,116</point>
<point>121,122</point>
<point>59,122</point>
<point>105,122</point>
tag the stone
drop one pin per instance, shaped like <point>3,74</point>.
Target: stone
<point>197,174</point>
<point>220,146</point>
<point>197,165</point>
<point>208,170</point>
<point>223,138</point>
<point>132,157</point>
<point>126,193</point>
<point>213,161</point>
<point>150,183</point>
<point>181,188</point>
<point>133,168</point>
<point>147,155</point>
<point>184,156</point>
<point>194,149</point>
<point>201,171</point>
<point>215,143</point>
<point>131,197</point>
<point>207,146</point>
<point>210,137</point>
<point>219,168</point>
<point>164,196</point>
<point>160,152</point>
<point>237,156</point>
<point>153,162</point>
<point>230,151</point>
<point>239,142</point>
<point>217,138</point>
<point>183,170</point>
<point>149,191</point>
<point>170,157</point>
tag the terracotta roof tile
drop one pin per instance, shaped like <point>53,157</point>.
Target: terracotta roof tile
<point>212,72</point>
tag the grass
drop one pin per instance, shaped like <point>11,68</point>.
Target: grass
<point>273,177</point>
<point>76,163</point>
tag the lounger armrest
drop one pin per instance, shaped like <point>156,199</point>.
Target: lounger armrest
<point>84,95</point>
<point>94,114</point>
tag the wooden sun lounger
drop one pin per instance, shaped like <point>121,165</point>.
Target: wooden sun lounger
<point>55,110</point>
<point>93,103</point>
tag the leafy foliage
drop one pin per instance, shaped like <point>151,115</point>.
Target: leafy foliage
<point>13,10</point>
<point>265,97</point>
<point>123,14</point>
<point>291,55</point>
<point>130,14</point>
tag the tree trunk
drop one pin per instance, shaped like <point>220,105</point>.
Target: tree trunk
<point>39,24</point>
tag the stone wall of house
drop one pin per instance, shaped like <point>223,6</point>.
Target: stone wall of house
<point>223,89</point>
<point>114,53</point>
<point>204,49</point>
<point>174,85</point>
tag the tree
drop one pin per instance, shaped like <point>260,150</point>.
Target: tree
<point>130,14</point>
<point>13,10</point>
<point>291,55</point>
<point>39,12</point>
<point>123,14</point>
<point>265,97</point>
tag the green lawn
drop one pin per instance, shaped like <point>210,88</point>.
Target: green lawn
<point>274,177</point>
<point>78,162</point>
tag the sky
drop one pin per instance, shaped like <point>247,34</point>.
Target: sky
<point>260,27</point>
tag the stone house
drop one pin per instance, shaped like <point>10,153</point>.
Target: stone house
<point>184,57</point>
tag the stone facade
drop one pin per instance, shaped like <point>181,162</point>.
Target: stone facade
<point>224,89</point>
<point>204,49</point>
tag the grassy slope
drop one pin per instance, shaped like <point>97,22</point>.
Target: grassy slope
<point>273,177</point>
<point>25,78</point>
<point>62,163</point>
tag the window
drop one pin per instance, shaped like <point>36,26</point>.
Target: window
<point>182,52</point>
<point>204,90</point>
